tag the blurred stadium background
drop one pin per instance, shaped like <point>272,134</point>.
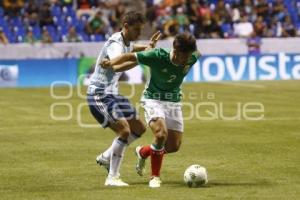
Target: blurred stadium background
<point>94,20</point>
<point>251,53</point>
<point>66,36</point>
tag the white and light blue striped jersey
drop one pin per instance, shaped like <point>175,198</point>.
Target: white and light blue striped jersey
<point>105,81</point>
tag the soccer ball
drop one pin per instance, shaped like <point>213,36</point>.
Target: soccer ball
<point>195,176</point>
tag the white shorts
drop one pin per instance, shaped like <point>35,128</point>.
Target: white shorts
<point>171,112</point>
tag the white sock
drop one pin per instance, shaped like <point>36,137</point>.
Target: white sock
<point>107,153</point>
<point>117,153</point>
<point>132,137</point>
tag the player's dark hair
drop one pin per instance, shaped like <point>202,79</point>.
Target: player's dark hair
<point>185,42</point>
<point>133,17</point>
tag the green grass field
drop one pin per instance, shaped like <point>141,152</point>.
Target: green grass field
<point>41,158</point>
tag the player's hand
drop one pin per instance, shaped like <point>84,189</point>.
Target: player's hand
<point>155,37</point>
<point>105,63</point>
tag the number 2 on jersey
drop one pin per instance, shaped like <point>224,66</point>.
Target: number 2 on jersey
<point>171,79</point>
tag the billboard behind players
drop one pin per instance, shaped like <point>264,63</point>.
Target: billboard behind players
<point>246,68</point>
<point>37,72</point>
<point>43,72</point>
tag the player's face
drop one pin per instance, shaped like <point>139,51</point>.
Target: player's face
<point>134,31</point>
<point>181,58</point>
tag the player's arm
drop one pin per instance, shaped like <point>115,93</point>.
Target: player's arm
<point>152,43</point>
<point>121,63</point>
<point>197,54</point>
<point>130,60</point>
<point>140,47</point>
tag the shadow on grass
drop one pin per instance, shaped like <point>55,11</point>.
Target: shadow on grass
<point>210,184</point>
<point>165,183</point>
<point>254,183</point>
<point>137,183</point>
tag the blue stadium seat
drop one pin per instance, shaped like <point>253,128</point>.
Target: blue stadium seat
<point>70,21</point>
<point>36,30</point>
<point>80,26</point>
<point>68,11</point>
<point>213,1</point>
<point>227,29</point>
<point>3,22</point>
<point>84,18</point>
<point>19,30</point>
<point>51,29</point>
<point>1,12</point>
<point>229,1</point>
<point>11,37</point>
<point>97,38</point>
<point>56,11</point>
<point>85,37</point>
<point>16,21</point>
<point>20,38</point>
<point>59,20</point>
<point>63,30</point>
<point>57,37</point>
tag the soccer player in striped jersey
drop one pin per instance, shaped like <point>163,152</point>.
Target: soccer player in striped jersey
<point>108,107</point>
<point>161,97</point>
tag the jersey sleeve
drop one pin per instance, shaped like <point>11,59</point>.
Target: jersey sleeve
<point>195,56</point>
<point>114,49</point>
<point>147,57</point>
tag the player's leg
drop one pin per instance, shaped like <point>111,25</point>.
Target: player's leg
<point>154,116</point>
<point>111,117</point>
<point>143,152</point>
<point>133,124</point>
<point>118,147</point>
<point>99,111</point>
<point>174,121</point>
<point>119,127</point>
<point>159,130</point>
<point>155,150</point>
<point>173,142</point>
<point>172,145</point>
<point>137,128</point>
<point>127,127</point>
<point>153,111</point>
<point>116,152</point>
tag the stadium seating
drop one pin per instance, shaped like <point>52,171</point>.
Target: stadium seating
<point>65,17</point>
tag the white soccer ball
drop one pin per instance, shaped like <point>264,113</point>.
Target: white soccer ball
<point>195,176</point>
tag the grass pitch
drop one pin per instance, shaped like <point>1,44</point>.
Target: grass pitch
<point>42,158</point>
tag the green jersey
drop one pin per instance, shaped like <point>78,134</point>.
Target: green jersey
<point>166,78</point>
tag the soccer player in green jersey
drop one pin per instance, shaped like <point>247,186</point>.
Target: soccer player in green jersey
<point>161,97</point>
